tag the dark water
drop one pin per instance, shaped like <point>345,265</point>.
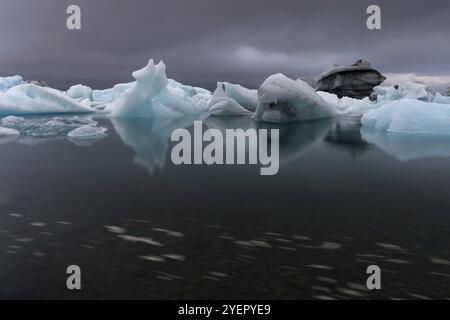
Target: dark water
<point>141,227</point>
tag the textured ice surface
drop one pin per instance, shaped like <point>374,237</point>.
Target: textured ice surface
<point>222,105</point>
<point>87,132</point>
<point>80,92</point>
<point>347,105</point>
<point>31,99</point>
<point>281,99</point>
<point>45,127</point>
<point>438,98</point>
<point>9,82</point>
<point>152,95</point>
<point>8,132</point>
<point>407,90</point>
<point>409,116</point>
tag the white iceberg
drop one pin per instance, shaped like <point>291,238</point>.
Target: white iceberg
<point>409,116</point>
<point>8,132</point>
<point>407,90</point>
<point>9,82</point>
<point>26,99</point>
<point>247,98</point>
<point>80,92</point>
<point>151,96</point>
<point>222,105</point>
<point>87,132</point>
<point>111,94</point>
<point>281,99</point>
<point>438,98</point>
<point>346,105</point>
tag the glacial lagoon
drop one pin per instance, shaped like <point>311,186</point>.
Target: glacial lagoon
<point>141,227</point>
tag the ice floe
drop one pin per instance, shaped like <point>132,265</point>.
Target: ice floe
<point>281,99</point>
<point>409,116</point>
<point>29,99</point>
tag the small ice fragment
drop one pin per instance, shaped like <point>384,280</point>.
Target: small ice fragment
<point>87,132</point>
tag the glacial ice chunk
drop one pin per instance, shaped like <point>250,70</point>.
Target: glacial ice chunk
<point>247,98</point>
<point>87,132</point>
<point>110,95</point>
<point>9,82</point>
<point>346,105</point>
<point>8,132</point>
<point>222,105</point>
<point>80,92</point>
<point>281,99</point>
<point>438,98</point>
<point>409,116</point>
<point>407,90</point>
<point>31,99</point>
<point>151,96</point>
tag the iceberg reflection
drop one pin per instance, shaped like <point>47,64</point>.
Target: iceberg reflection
<point>405,147</point>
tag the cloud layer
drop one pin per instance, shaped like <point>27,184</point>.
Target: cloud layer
<point>203,41</point>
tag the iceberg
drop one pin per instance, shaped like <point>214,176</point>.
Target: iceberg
<point>407,90</point>
<point>247,98</point>
<point>111,94</point>
<point>151,96</point>
<point>80,92</point>
<point>281,99</point>
<point>87,132</point>
<point>9,82</point>
<point>438,98</point>
<point>222,105</point>
<point>27,99</point>
<point>8,132</point>
<point>409,116</point>
<point>346,105</point>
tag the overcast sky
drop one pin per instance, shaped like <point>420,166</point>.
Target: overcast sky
<point>241,41</point>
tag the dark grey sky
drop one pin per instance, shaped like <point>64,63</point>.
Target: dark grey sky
<point>202,41</point>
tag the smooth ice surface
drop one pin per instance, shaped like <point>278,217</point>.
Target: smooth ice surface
<point>8,132</point>
<point>87,132</point>
<point>247,98</point>
<point>110,95</point>
<point>409,116</point>
<point>222,105</point>
<point>45,127</point>
<point>152,96</point>
<point>9,82</point>
<point>31,99</point>
<point>281,99</point>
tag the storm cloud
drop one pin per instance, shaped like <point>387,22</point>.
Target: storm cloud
<point>203,41</point>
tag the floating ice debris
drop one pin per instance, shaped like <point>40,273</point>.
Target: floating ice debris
<point>247,98</point>
<point>8,132</point>
<point>45,127</point>
<point>407,90</point>
<point>170,233</point>
<point>115,229</point>
<point>281,99</point>
<point>346,105</point>
<point>31,99</point>
<point>9,82</point>
<point>438,98</point>
<point>140,239</point>
<point>320,267</point>
<point>87,132</point>
<point>391,246</point>
<point>38,224</point>
<point>110,95</point>
<point>440,261</point>
<point>409,116</point>
<point>153,258</point>
<point>173,256</point>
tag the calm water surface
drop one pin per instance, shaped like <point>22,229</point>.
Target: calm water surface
<point>142,228</point>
